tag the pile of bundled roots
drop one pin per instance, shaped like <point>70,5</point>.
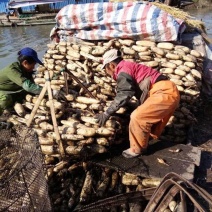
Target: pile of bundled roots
<point>79,131</point>
<point>75,116</point>
<point>85,182</point>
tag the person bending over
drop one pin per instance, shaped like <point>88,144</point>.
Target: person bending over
<point>158,98</point>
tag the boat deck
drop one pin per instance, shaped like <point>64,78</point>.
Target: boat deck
<point>147,166</point>
<point>28,20</point>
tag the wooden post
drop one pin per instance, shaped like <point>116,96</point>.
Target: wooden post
<point>66,82</point>
<point>54,120</point>
<point>37,104</point>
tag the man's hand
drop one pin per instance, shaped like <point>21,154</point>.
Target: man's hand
<point>5,125</point>
<point>59,95</point>
<point>102,118</point>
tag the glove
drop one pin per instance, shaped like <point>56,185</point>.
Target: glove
<point>58,95</point>
<point>102,118</point>
<point>6,125</point>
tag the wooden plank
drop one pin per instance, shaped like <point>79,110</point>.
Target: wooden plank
<point>187,153</point>
<point>147,166</point>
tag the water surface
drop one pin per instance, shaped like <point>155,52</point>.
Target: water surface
<point>205,15</point>
<point>12,39</point>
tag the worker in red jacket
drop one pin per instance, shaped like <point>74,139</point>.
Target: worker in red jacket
<point>158,97</point>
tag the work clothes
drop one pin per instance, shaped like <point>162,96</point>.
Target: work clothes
<point>14,84</point>
<point>152,116</point>
<point>160,98</point>
<point>133,79</point>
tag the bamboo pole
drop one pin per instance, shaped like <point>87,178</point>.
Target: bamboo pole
<point>54,120</point>
<point>80,83</point>
<point>66,82</point>
<point>37,104</point>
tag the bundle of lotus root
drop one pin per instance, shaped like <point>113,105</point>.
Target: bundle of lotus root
<point>75,116</point>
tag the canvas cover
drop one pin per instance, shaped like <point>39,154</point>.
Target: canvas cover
<point>24,3</point>
<point>207,73</point>
<point>104,21</point>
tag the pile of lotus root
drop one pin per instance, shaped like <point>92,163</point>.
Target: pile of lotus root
<point>75,116</point>
<point>76,121</point>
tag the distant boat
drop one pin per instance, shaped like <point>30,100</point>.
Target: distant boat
<point>25,3</point>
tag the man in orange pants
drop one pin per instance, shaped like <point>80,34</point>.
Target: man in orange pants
<point>158,96</point>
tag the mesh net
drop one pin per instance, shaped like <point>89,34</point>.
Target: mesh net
<point>23,186</point>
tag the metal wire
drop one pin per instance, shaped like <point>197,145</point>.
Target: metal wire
<point>23,186</point>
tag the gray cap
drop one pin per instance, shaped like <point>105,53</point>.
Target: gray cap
<point>110,56</point>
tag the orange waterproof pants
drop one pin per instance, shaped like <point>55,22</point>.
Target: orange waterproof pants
<point>152,116</point>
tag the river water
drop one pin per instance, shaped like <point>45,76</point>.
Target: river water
<point>12,39</point>
<point>205,15</point>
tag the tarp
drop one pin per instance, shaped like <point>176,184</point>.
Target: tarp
<point>22,3</point>
<point>104,21</point>
<point>207,73</point>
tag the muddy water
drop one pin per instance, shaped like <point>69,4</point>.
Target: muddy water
<point>204,15</point>
<point>13,39</point>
